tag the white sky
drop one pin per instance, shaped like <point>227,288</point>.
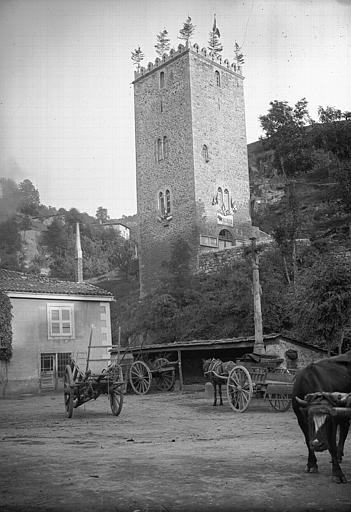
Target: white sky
<point>66,98</point>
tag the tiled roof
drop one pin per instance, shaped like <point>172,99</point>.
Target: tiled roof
<point>11,281</point>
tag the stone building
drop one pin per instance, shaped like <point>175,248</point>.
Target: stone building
<point>191,157</point>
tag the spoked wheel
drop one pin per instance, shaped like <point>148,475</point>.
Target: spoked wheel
<point>140,377</point>
<point>116,401</point>
<point>239,389</point>
<point>165,379</point>
<point>68,391</point>
<point>279,401</point>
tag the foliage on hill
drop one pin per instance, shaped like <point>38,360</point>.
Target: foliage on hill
<point>5,328</point>
<point>301,195</point>
<point>202,306</point>
<point>309,221</point>
<point>103,247</point>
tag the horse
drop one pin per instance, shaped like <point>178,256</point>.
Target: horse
<point>212,368</point>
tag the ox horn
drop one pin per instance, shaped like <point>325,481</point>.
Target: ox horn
<point>301,402</point>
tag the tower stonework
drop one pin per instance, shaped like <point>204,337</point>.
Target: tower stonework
<point>191,158</point>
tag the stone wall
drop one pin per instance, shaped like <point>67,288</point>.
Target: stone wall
<point>304,354</point>
<point>213,261</point>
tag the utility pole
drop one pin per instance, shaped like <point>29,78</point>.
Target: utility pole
<point>256,290</point>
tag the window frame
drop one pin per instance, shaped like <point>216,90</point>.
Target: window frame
<point>165,147</point>
<point>168,207</point>
<point>205,153</point>
<point>218,78</point>
<point>60,306</point>
<point>226,201</point>
<point>161,202</point>
<point>162,79</point>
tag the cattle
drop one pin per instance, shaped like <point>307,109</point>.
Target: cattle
<point>317,389</point>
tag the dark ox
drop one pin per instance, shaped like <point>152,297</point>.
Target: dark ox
<point>316,390</point>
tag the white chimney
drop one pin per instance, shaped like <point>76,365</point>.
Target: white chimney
<point>79,256</point>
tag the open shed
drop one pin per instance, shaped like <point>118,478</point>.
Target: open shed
<point>189,354</point>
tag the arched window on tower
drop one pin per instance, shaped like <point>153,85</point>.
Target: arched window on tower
<point>159,150</point>
<point>162,80</point>
<point>168,201</point>
<point>226,199</point>
<point>220,197</point>
<point>165,147</point>
<point>205,153</point>
<point>161,203</point>
<point>218,78</point>
<point>225,239</point>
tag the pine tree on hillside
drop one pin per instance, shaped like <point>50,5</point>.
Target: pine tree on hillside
<point>187,31</point>
<point>137,57</point>
<point>214,44</point>
<point>163,43</point>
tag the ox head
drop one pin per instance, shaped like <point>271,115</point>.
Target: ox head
<point>319,408</point>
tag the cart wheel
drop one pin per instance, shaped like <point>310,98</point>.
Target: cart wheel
<point>164,380</point>
<point>116,401</point>
<point>68,391</point>
<point>279,401</point>
<point>140,377</point>
<point>239,389</point>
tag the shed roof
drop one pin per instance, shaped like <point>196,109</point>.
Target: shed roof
<point>243,341</point>
<point>18,282</point>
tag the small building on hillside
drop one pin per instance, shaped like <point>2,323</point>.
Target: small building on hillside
<point>52,321</point>
<point>122,229</point>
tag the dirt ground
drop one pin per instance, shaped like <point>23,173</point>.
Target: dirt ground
<point>165,452</point>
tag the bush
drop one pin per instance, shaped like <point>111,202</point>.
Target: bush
<point>5,328</point>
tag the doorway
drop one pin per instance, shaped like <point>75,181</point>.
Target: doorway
<point>52,369</point>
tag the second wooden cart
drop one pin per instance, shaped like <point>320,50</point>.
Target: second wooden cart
<point>260,379</point>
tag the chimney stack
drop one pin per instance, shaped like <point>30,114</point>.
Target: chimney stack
<point>79,256</point>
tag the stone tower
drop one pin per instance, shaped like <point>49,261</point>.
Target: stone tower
<point>191,157</point>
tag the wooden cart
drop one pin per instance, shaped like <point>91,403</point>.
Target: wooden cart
<point>81,387</point>
<point>143,371</point>
<point>247,379</point>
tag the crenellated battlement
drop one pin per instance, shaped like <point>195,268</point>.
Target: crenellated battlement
<point>234,67</point>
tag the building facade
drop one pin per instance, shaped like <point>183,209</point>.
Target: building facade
<point>52,322</point>
<point>191,157</point>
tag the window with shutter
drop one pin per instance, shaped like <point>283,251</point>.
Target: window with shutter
<point>60,320</point>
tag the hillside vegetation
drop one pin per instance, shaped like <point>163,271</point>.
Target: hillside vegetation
<point>300,175</point>
<point>39,239</point>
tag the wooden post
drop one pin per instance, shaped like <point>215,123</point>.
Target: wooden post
<point>89,346</point>
<point>181,383</point>
<point>119,344</point>
<point>256,288</point>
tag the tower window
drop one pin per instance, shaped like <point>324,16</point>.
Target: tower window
<point>168,201</point>
<point>205,153</point>
<point>161,106</point>
<point>162,80</point>
<point>220,197</point>
<point>161,148</point>
<point>165,147</point>
<point>225,239</point>
<point>164,205</point>
<point>161,202</point>
<point>218,78</point>
<point>226,199</point>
